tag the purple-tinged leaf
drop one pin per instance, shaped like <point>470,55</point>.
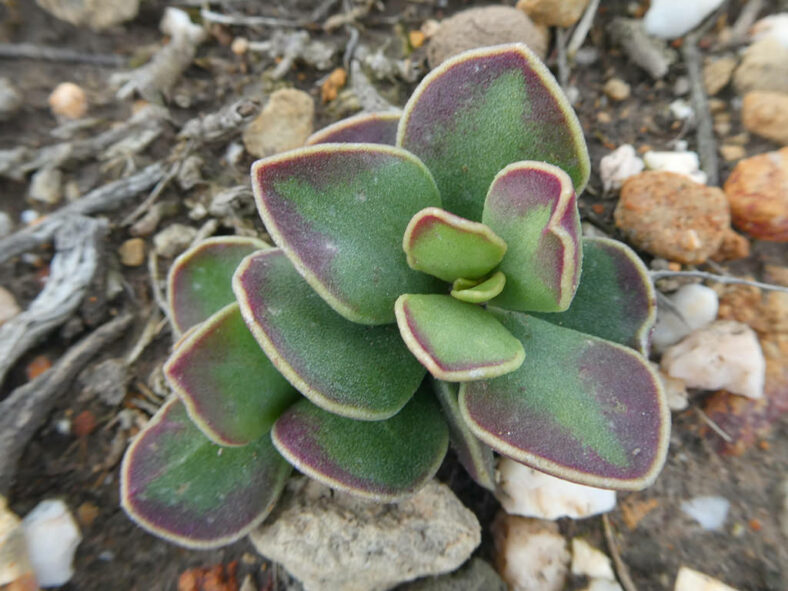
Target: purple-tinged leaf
<point>615,299</point>
<point>199,281</point>
<point>179,485</point>
<point>484,109</point>
<point>449,247</point>
<point>533,207</point>
<point>231,390</point>
<point>579,408</point>
<point>454,340</point>
<point>358,371</point>
<point>481,292</point>
<point>338,211</point>
<point>381,460</point>
<point>365,128</point>
<point>475,457</point>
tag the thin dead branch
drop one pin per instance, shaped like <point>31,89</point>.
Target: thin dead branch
<point>105,198</point>
<point>26,408</point>
<point>220,125</point>
<point>621,567</point>
<point>209,16</point>
<point>655,275</point>
<point>581,31</point>
<point>73,266</point>
<point>58,54</point>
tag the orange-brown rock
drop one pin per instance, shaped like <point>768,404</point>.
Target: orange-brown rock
<point>671,216</point>
<point>734,247</point>
<point>553,13</point>
<point>757,191</point>
<point>766,114</point>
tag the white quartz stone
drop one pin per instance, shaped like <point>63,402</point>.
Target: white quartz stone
<point>669,19</point>
<point>709,512</point>
<point>52,538</point>
<point>691,307</point>
<point>618,166</point>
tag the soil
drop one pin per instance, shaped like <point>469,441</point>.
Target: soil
<point>749,553</point>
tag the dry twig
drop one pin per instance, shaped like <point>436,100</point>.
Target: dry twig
<point>655,275</point>
<point>621,567</point>
<point>581,31</point>
<point>23,411</point>
<point>58,54</point>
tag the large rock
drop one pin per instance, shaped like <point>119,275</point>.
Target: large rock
<point>480,27</point>
<point>558,13</point>
<point>475,575</point>
<point>673,217</point>
<point>333,541</point>
<point>766,114</point>
<point>284,124</point>
<point>763,67</point>
<point>96,14</point>
<point>757,191</point>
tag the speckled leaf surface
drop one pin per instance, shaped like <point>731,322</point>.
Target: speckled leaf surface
<point>449,247</point>
<point>481,292</point>
<point>615,299</point>
<point>454,340</point>
<point>339,212</point>
<point>476,457</point>
<point>579,408</point>
<point>359,371</point>
<point>482,110</point>
<point>533,207</point>
<point>230,388</point>
<point>366,128</point>
<point>179,485</point>
<point>199,280</point>
<point>382,460</point>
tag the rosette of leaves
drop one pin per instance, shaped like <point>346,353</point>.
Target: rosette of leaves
<point>428,281</point>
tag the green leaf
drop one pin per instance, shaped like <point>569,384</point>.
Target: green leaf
<point>179,485</point>
<point>199,280</point>
<point>339,211</point>
<point>579,408</point>
<point>475,457</point>
<point>358,371</point>
<point>533,207</point>
<point>481,292</point>
<point>615,299</point>
<point>449,247</point>
<point>231,390</point>
<point>381,460</point>
<point>454,340</point>
<point>484,109</point>
<point>365,128</point>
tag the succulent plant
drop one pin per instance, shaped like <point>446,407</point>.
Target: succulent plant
<point>426,283</point>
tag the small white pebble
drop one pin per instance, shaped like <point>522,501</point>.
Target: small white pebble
<point>68,100</point>
<point>28,216</point>
<point>692,580</point>
<point>618,166</point>
<point>669,19</point>
<point>709,512</point>
<point>697,305</point>
<point>52,538</point>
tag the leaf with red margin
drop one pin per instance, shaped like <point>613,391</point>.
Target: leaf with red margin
<point>380,460</point>
<point>358,371</point>
<point>198,284</point>
<point>484,109</point>
<point>179,485</point>
<point>456,341</point>
<point>450,247</point>
<point>475,457</point>
<point>231,390</point>
<point>338,211</point>
<point>579,408</point>
<point>615,299</point>
<point>365,128</point>
<point>532,206</point>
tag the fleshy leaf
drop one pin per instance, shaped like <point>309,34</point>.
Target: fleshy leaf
<point>366,128</point>
<point>579,408</point>
<point>533,207</point>
<point>179,485</point>
<point>481,292</point>
<point>615,299</point>
<point>230,388</point>
<point>449,247</point>
<point>198,284</point>
<point>358,371</point>
<point>480,111</point>
<point>381,460</point>
<point>475,456</point>
<point>339,211</point>
<point>454,340</point>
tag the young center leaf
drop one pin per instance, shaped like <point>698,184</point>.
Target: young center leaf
<point>533,207</point>
<point>484,109</point>
<point>338,211</point>
<point>181,486</point>
<point>579,408</point>
<point>615,299</point>
<point>381,460</point>
<point>199,280</point>
<point>358,371</point>
<point>231,390</point>
<point>366,128</point>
